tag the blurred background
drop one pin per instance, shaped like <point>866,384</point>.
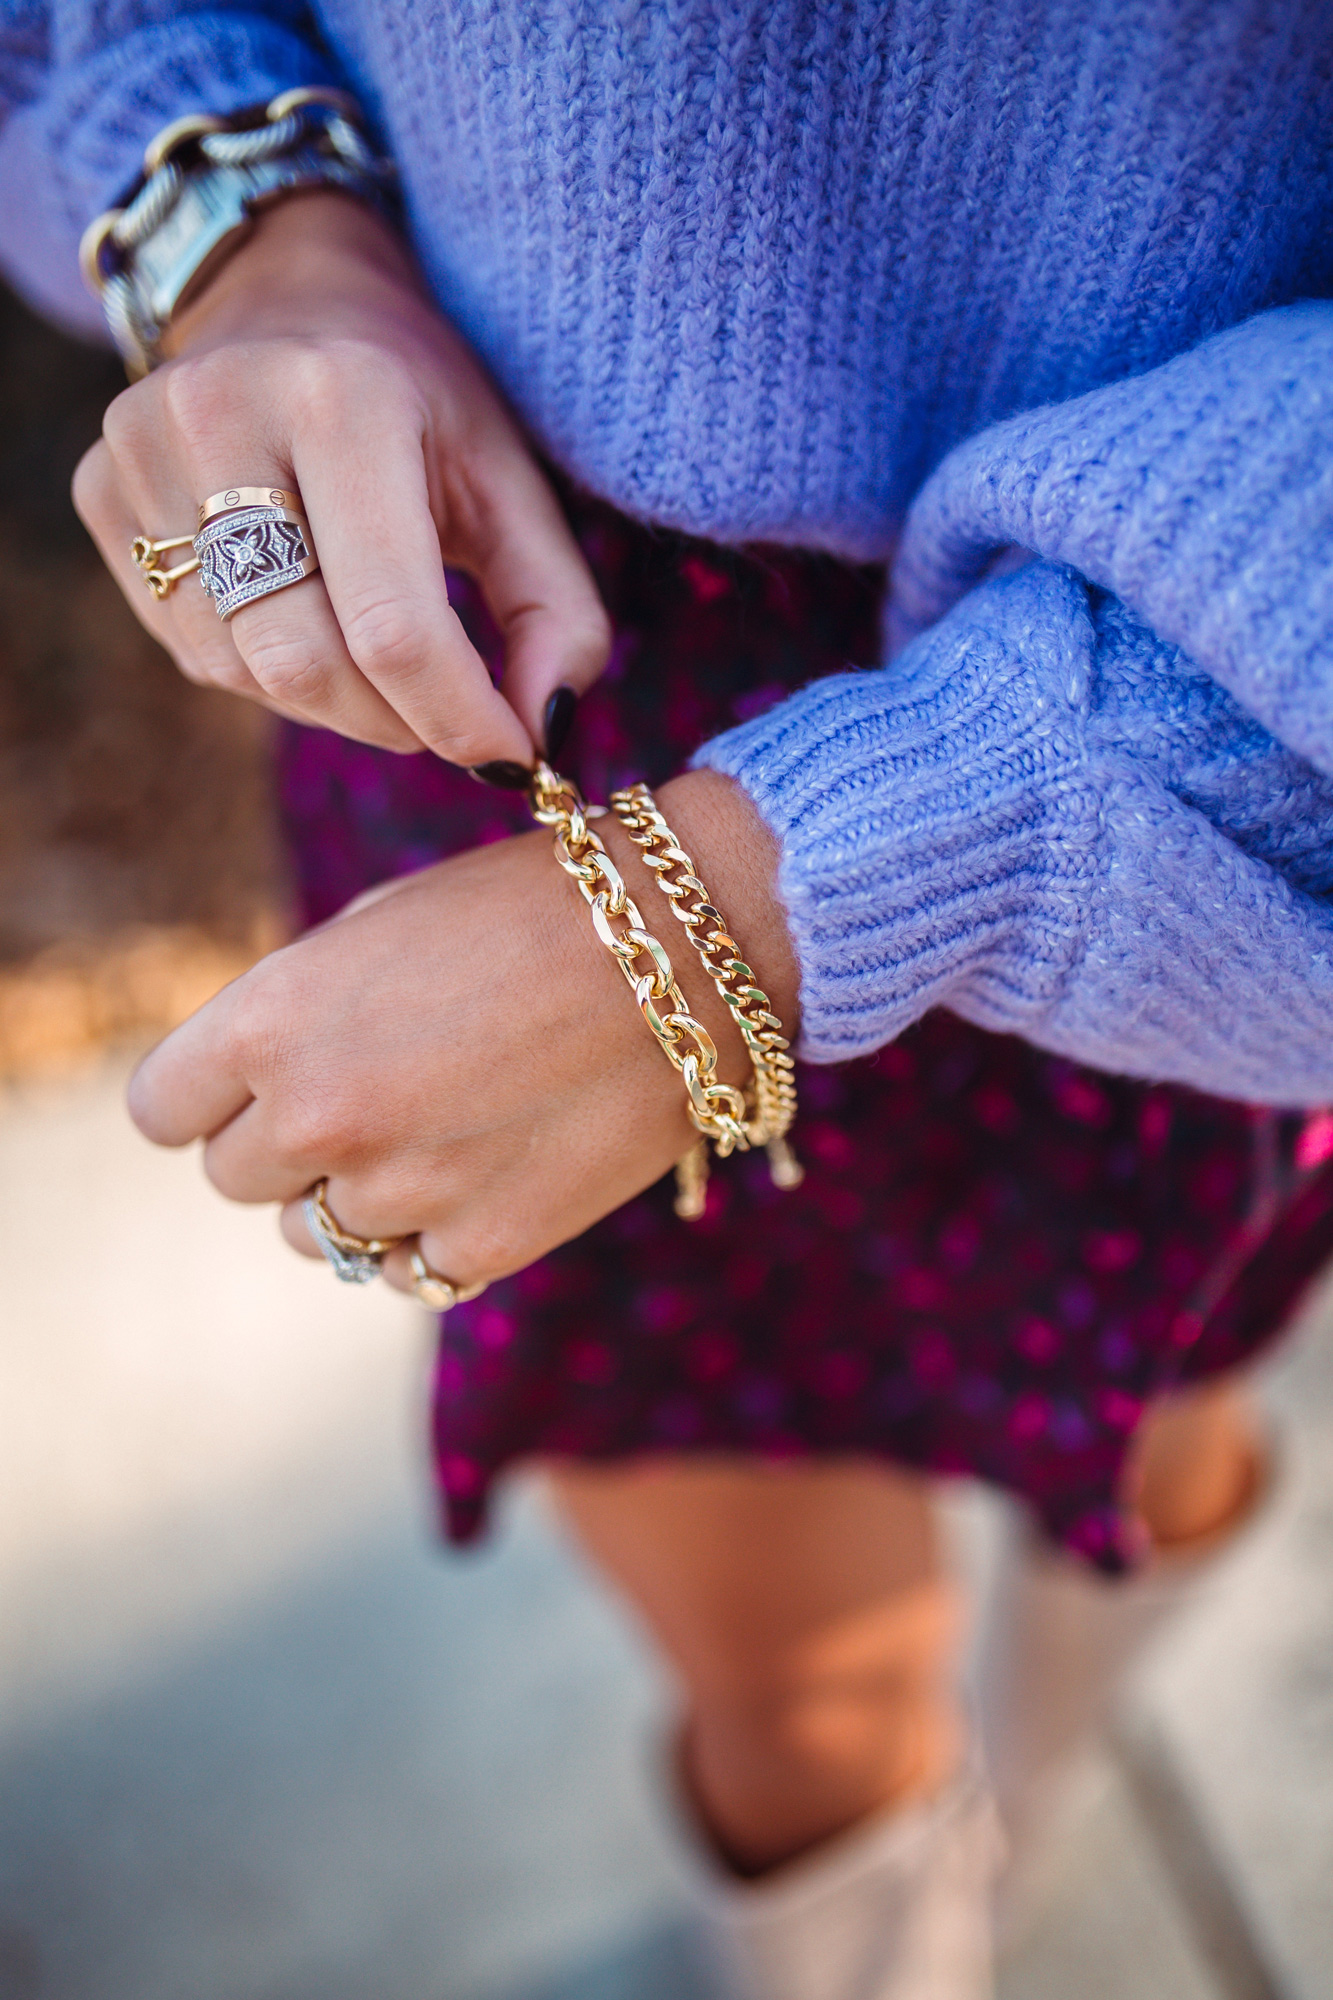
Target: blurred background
<point>261,1737</point>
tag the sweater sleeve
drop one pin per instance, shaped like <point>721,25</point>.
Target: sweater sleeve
<point>84,86</point>
<point>1200,493</point>
<point>1048,819</point>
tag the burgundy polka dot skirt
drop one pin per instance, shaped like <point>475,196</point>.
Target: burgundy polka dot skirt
<point>996,1258</point>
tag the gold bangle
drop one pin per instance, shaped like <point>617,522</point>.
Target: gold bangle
<point>750,1007</point>
<point>716,1109</point>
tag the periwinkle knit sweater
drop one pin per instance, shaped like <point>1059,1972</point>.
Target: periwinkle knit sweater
<point>946,277</point>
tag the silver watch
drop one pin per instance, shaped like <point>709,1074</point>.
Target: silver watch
<point>203,179</point>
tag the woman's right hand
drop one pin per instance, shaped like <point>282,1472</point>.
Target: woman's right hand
<point>314,360</point>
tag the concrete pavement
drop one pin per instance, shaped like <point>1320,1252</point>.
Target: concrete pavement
<point>261,1739</point>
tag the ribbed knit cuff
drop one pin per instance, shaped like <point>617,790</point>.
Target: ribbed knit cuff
<point>937,820</point>
<point>75,150</point>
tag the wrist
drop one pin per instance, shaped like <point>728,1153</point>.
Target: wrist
<point>318,251</point>
<point>736,857</point>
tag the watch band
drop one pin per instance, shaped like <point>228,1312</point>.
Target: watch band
<point>204,180</point>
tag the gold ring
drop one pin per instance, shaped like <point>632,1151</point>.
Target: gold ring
<point>246,496</point>
<point>440,1294</point>
<point>147,557</point>
<point>355,1259</point>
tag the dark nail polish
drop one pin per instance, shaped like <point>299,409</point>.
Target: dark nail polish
<point>506,777</point>
<point>559,720</point>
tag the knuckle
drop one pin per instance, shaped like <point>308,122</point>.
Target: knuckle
<point>226,671</point>
<point>227,678</point>
<point>265,1002</point>
<point>198,675</point>
<point>93,483</point>
<point>127,424</point>
<point>308,1130</point>
<point>310,1117</point>
<point>198,395</point>
<point>384,639</point>
<point>327,377</point>
<point>488,1247</point>
<point>284,665</point>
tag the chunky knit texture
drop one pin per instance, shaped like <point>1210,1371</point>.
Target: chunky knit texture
<point>1049,821</point>
<point>757,271</point>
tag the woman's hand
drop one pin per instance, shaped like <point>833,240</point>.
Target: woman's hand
<point>460,1056</point>
<point>314,360</point>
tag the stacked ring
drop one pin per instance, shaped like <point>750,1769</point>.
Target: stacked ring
<point>246,496</point>
<point>252,541</point>
<point>355,1259</point>
<point>358,1259</point>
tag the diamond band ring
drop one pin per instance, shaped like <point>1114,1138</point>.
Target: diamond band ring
<point>355,1259</point>
<point>248,552</point>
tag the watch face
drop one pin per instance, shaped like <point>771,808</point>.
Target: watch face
<point>210,219</point>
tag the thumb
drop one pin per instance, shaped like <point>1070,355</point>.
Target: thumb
<point>540,592</point>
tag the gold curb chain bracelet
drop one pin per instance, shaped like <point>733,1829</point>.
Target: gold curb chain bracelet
<point>717,1110</point>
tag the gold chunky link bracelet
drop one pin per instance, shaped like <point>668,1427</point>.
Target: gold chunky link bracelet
<point>716,1109</point>
<point>750,1007</point>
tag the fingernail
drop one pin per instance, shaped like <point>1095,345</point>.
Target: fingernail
<point>506,777</point>
<point>559,719</point>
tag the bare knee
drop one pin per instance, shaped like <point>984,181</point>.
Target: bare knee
<point>1197,1462</point>
<point>785,1744</point>
<point>864,1659</point>
<point>810,1625</point>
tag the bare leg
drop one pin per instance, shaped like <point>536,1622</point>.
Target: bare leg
<point>813,1630</point>
<point>1197,1463</point>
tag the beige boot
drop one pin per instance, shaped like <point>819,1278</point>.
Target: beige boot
<point>898,1908</point>
<point>1061,1642</point>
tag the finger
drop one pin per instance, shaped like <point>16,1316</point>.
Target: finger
<point>248,1161</point>
<point>356,1220</point>
<point>192,1083</point>
<point>183,622</point>
<point>295,1231</point>
<point>292,660</point>
<point>538,589</point>
<point>288,646</point>
<point>443,1258</point>
<point>134,483</point>
<point>292,645</point>
<point>364,488</point>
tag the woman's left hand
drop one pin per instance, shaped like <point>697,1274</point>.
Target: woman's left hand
<point>459,1056</point>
